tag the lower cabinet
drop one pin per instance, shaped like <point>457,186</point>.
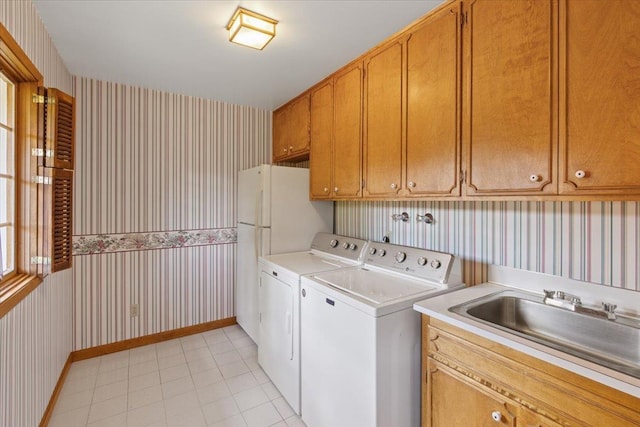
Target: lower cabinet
<point>471,381</point>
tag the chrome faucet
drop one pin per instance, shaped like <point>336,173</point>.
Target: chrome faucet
<point>562,299</point>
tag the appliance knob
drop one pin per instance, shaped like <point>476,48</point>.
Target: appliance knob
<point>333,243</point>
<point>435,263</point>
<point>372,251</point>
<point>382,252</point>
<point>353,246</point>
<point>422,261</point>
<point>345,245</point>
<point>401,256</point>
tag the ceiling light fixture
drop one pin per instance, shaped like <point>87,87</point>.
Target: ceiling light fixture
<point>251,29</point>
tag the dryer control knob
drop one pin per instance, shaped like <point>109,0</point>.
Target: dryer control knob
<point>353,246</point>
<point>345,245</point>
<point>422,261</point>
<point>333,243</point>
<point>435,263</point>
<point>382,252</point>
<point>401,256</point>
<point>372,251</point>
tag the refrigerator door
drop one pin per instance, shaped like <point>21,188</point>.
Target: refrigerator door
<point>254,195</point>
<point>295,219</point>
<point>253,242</point>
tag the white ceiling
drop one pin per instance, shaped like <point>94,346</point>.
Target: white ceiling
<point>181,46</point>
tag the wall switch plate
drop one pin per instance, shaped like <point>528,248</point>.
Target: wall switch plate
<point>133,311</point>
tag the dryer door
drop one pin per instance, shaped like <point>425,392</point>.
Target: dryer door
<point>278,353</point>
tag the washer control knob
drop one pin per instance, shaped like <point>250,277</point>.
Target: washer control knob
<point>435,263</point>
<point>353,246</point>
<point>401,256</point>
<point>382,252</point>
<point>345,245</point>
<point>422,260</point>
<point>333,243</point>
<point>372,251</point>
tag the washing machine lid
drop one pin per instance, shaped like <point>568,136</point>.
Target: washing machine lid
<point>375,286</point>
<point>301,263</point>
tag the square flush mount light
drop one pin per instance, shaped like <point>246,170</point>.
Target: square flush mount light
<point>251,29</point>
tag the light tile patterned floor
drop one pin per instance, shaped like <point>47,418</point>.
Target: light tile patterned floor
<point>208,379</point>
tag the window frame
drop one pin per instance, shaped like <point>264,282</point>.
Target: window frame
<point>18,68</point>
<point>11,120</point>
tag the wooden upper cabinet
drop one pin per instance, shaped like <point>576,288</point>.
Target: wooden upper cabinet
<point>291,130</point>
<point>383,121</point>
<point>320,157</point>
<point>600,93</point>
<point>509,107</point>
<point>433,108</point>
<point>347,132</point>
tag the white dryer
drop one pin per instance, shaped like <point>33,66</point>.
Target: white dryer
<point>280,276</point>
<point>361,336</point>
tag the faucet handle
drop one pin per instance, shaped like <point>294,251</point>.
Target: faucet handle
<point>610,309</point>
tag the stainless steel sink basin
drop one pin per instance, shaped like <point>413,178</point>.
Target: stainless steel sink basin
<point>611,343</point>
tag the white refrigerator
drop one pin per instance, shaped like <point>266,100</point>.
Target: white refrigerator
<point>274,216</point>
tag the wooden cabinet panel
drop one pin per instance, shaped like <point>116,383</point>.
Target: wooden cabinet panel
<point>347,135</point>
<point>280,145</point>
<point>383,122</point>
<point>600,122</point>
<point>321,141</point>
<point>291,130</point>
<point>509,101</point>
<point>433,113</point>
<point>456,402</point>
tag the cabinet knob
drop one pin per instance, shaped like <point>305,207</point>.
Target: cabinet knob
<point>496,416</point>
<point>580,174</point>
<point>291,147</point>
<point>285,150</point>
<point>412,184</point>
<point>325,189</point>
<point>335,190</point>
<point>393,185</point>
<point>534,178</point>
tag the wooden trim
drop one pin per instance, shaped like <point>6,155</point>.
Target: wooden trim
<point>14,61</point>
<point>16,290</point>
<point>101,350</point>
<point>46,417</point>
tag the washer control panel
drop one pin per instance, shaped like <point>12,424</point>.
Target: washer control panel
<point>417,262</point>
<point>335,244</point>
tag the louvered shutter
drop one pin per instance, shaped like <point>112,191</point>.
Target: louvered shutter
<point>57,161</point>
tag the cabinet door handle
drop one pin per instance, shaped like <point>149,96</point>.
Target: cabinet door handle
<point>393,186</point>
<point>496,416</point>
<point>335,190</point>
<point>534,178</point>
<point>326,190</point>
<point>284,150</point>
<point>580,174</point>
<point>291,147</point>
<point>412,184</point>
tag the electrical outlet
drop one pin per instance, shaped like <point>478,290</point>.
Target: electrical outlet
<point>133,311</point>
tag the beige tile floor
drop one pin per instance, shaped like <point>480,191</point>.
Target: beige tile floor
<point>208,379</point>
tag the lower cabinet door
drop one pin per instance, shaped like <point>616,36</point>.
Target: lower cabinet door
<point>455,401</point>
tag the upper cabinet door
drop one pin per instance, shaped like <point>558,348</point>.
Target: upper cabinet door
<point>321,141</point>
<point>600,95</point>
<point>280,133</point>
<point>509,122</point>
<point>433,113</point>
<point>347,137</point>
<point>299,117</point>
<point>383,121</point>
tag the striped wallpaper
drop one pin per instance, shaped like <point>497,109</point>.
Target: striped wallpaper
<point>597,242</point>
<point>151,162</point>
<point>37,335</point>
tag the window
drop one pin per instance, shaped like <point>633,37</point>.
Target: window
<point>8,215</point>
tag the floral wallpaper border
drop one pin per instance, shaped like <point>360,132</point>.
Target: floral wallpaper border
<point>108,243</point>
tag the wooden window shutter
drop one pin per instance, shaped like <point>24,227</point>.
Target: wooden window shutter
<point>56,154</point>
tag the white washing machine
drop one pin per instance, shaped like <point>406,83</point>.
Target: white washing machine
<point>280,276</point>
<point>361,336</point>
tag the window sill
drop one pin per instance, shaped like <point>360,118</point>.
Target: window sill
<point>15,290</point>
